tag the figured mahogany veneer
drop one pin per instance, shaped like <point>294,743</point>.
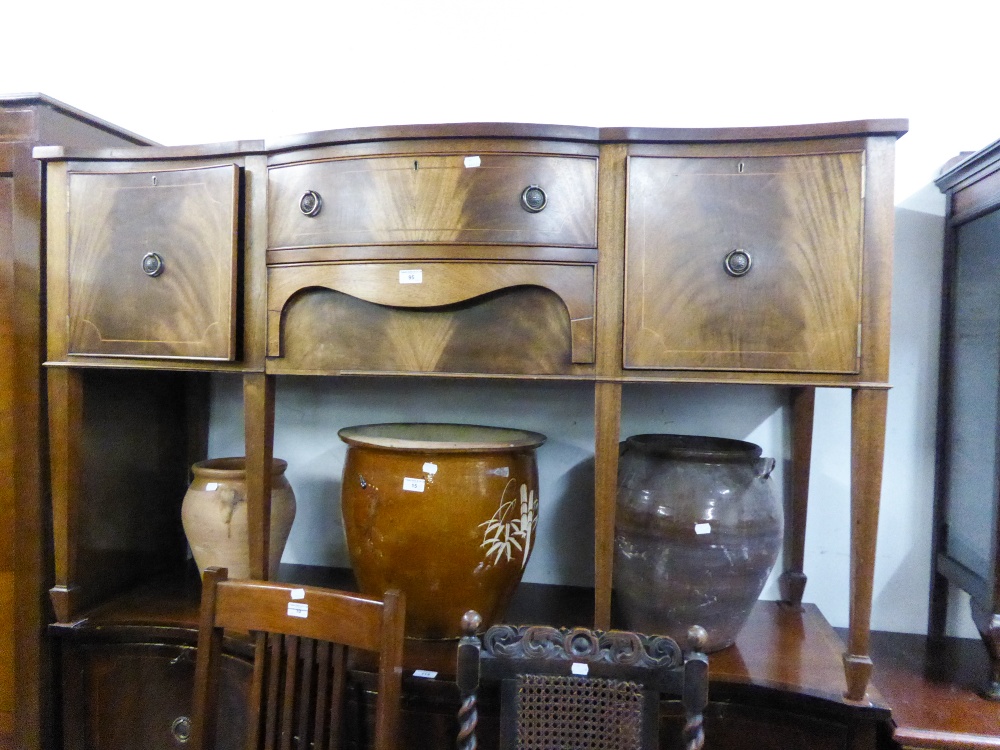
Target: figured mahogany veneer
<point>152,263</point>
<point>798,220</point>
<point>426,287</point>
<point>463,198</point>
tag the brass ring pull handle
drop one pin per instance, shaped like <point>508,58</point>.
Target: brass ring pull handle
<point>152,264</point>
<point>738,262</point>
<point>181,729</point>
<point>533,199</point>
<point>310,203</point>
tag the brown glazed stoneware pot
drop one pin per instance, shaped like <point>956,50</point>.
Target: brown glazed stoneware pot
<point>446,513</point>
<point>697,531</point>
<point>214,515</point>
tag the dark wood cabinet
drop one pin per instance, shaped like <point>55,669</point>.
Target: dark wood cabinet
<point>967,507</point>
<point>133,691</point>
<point>479,251</point>
<point>27,121</point>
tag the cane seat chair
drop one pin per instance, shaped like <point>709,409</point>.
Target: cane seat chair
<point>575,688</point>
<point>301,636</point>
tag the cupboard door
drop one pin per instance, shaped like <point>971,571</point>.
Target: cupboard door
<point>138,696</point>
<point>518,199</point>
<point>744,263</point>
<point>152,263</point>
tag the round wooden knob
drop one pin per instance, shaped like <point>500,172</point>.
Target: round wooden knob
<point>471,621</point>
<point>697,638</point>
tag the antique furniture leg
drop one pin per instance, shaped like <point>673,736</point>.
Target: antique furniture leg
<point>793,580</point>
<point>988,624</point>
<point>868,411</point>
<point>937,611</point>
<point>65,387</point>
<point>607,425</point>
<point>258,415</point>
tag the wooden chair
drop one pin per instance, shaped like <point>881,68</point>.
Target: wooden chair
<point>578,688</point>
<point>301,638</point>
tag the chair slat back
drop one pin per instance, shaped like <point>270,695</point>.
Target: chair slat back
<point>302,636</point>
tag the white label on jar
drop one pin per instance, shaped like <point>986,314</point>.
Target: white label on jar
<point>413,485</point>
<point>413,276</point>
<point>703,528</point>
<point>211,486</point>
<point>298,609</point>
<point>580,668</point>
<point>430,468</point>
<point>297,593</point>
<point>472,161</point>
<point>425,673</point>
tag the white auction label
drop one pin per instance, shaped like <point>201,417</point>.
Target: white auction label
<point>425,673</point>
<point>413,485</point>
<point>211,486</point>
<point>579,668</point>
<point>298,609</point>
<point>702,528</point>
<point>297,593</point>
<point>430,468</point>
<point>412,276</point>
<point>472,161</point>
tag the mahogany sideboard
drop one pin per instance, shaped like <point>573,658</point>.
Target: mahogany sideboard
<point>486,251</point>
<point>26,121</point>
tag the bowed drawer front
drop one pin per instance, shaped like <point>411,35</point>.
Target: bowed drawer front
<point>449,199</point>
<point>152,263</point>
<point>744,263</point>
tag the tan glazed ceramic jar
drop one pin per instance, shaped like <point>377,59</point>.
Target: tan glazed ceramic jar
<point>214,514</point>
<point>444,512</point>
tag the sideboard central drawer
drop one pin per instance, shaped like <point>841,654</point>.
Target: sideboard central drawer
<point>467,199</point>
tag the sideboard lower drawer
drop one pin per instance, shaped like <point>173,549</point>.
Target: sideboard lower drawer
<point>434,316</point>
<point>467,199</point>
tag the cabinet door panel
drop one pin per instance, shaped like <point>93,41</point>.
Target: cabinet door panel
<point>435,198</point>
<point>139,696</point>
<point>120,303</point>
<point>799,221</point>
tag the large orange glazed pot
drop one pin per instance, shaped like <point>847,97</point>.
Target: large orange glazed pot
<point>444,512</point>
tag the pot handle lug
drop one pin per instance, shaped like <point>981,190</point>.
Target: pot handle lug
<point>764,467</point>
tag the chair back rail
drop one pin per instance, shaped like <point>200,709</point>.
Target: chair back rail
<point>580,685</point>
<point>302,636</point>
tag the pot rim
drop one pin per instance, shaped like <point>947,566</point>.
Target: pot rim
<point>695,447</point>
<point>232,467</point>
<point>440,436</point>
